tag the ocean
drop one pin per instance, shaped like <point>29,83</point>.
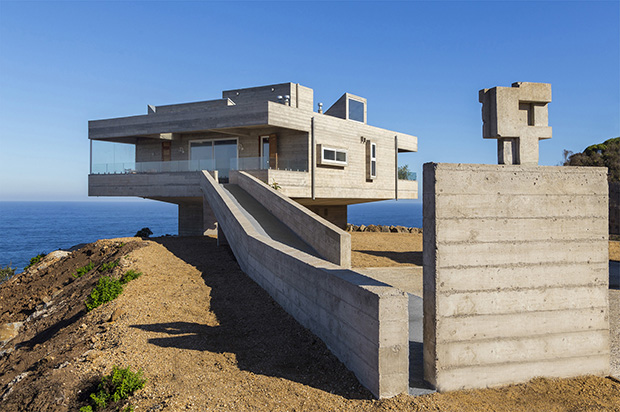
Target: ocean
<point>30,228</point>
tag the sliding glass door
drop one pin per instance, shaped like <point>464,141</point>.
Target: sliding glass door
<point>220,155</point>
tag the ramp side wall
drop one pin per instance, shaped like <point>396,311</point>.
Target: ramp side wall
<point>362,321</point>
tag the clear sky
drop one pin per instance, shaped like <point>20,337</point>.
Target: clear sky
<point>419,64</point>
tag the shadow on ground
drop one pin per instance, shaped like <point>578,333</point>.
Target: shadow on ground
<point>264,338</point>
<point>414,258</point>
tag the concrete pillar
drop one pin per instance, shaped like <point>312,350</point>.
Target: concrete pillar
<point>190,219</point>
<point>334,214</point>
<point>196,218</point>
<point>208,218</point>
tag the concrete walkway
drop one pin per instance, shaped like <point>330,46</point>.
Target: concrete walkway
<point>264,222</point>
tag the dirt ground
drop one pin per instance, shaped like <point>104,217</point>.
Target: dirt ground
<point>614,250</point>
<point>375,249</point>
<point>209,339</point>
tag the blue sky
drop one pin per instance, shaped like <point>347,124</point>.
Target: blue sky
<point>419,64</point>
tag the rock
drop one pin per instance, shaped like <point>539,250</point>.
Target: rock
<point>8,331</point>
<point>373,228</point>
<point>349,227</point>
<point>118,312</point>
<point>402,229</point>
<point>363,228</point>
<point>58,254</point>
<point>393,229</point>
<point>385,229</point>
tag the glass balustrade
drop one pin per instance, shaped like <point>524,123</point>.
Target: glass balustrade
<point>408,176</point>
<point>223,166</point>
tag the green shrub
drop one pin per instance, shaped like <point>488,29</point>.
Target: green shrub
<point>35,260</point>
<point>107,289</point>
<point>6,273</point>
<point>119,385</point>
<point>144,232</point>
<point>129,276</point>
<point>84,270</point>
<point>108,266</point>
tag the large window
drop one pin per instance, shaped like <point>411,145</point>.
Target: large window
<point>356,110</point>
<point>220,155</point>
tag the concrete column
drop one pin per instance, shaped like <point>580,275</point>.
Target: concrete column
<point>208,218</point>
<point>190,219</point>
<point>334,214</point>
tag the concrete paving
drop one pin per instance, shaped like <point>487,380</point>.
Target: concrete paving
<point>417,385</point>
<point>264,222</point>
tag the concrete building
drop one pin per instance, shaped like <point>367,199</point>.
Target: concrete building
<point>221,161</point>
<point>324,161</point>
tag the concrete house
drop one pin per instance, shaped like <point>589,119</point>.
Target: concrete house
<point>322,160</point>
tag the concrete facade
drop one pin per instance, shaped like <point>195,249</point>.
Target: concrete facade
<point>614,208</point>
<point>362,321</point>
<point>515,274</point>
<point>302,146</point>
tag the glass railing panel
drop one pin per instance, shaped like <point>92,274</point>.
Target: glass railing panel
<point>408,176</point>
<point>242,163</point>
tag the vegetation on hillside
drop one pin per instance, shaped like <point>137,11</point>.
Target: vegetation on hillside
<point>606,154</point>
<point>117,386</point>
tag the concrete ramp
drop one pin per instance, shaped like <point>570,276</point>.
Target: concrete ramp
<point>265,222</point>
<point>364,322</point>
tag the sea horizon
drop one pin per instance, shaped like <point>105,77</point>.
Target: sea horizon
<point>30,227</point>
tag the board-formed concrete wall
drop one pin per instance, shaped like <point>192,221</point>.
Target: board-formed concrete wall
<point>614,208</point>
<point>515,273</point>
<point>331,242</point>
<point>362,321</point>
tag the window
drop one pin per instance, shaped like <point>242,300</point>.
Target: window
<point>356,110</point>
<point>371,160</point>
<point>218,155</point>
<point>332,156</point>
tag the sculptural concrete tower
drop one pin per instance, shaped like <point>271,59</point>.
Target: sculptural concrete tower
<point>515,258</point>
<point>517,117</point>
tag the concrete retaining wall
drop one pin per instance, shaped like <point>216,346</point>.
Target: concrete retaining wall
<point>362,321</point>
<point>614,208</point>
<point>329,241</point>
<point>515,274</point>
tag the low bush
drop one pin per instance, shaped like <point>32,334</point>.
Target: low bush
<point>107,289</point>
<point>84,270</point>
<point>144,232</point>
<point>35,260</point>
<point>6,273</point>
<point>119,385</point>
<point>129,276</point>
<point>108,266</point>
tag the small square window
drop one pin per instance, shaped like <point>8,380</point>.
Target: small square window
<point>356,110</point>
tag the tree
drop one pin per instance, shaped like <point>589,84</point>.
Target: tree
<point>606,154</point>
<point>403,172</point>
